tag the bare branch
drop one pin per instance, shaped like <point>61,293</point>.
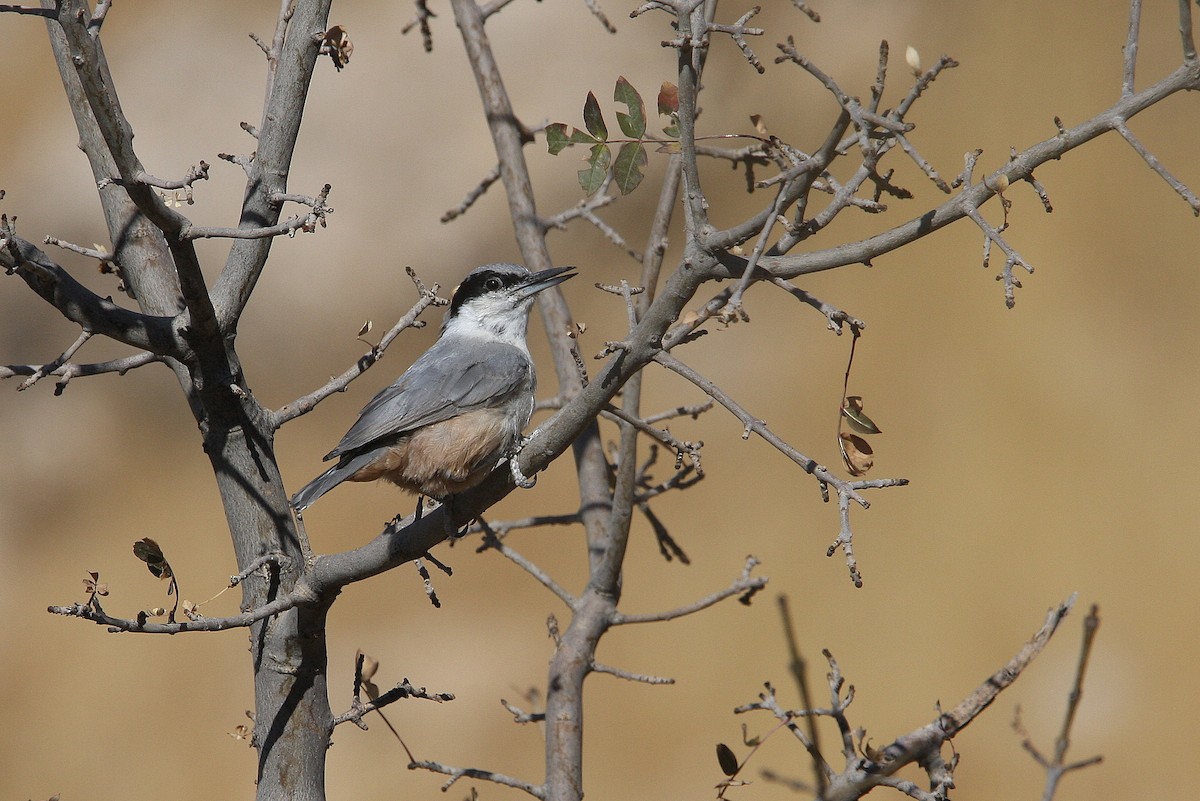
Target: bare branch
<point>141,625</point>
<point>1185,30</point>
<point>594,7</point>
<point>19,9</point>
<point>492,542</point>
<point>195,173</point>
<point>693,411</point>
<point>79,304</point>
<point>307,223</point>
<point>585,210</point>
<point>1131,47</point>
<point>641,678</point>
<point>744,586</point>
<point>57,364</point>
<point>757,426</point>
<point>300,406</point>
<point>535,790</point>
<point>404,689</point>
<point>738,31</point>
<point>1156,165</point>
<point>804,8</point>
<point>492,176</point>
<point>837,319</point>
<point>68,370</point>
<point>521,716</point>
<point>421,21</point>
<point>1057,767</point>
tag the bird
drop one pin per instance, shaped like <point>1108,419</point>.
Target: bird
<point>459,410</point>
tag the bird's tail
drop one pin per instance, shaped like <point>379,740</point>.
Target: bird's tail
<point>323,483</point>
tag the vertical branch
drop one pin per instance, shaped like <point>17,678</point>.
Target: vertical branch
<point>573,657</point>
<point>1131,47</point>
<point>1185,31</point>
<point>289,74</point>
<point>692,26</point>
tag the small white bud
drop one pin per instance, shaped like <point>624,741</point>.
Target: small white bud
<point>913,58</point>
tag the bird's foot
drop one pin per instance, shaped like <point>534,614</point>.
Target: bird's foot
<point>520,479</point>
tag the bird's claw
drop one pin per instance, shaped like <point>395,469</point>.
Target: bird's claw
<point>520,479</point>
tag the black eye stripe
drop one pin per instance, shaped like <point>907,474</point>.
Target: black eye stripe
<point>481,282</point>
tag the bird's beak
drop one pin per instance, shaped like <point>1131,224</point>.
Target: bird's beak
<point>542,279</point>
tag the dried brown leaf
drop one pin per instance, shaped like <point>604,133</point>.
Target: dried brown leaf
<point>856,453</point>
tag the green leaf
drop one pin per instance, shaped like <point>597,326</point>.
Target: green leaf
<point>556,138</point>
<point>593,177</point>
<point>632,124</point>
<point>627,168</point>
<point>593,119</point>
<point>852,410</point>
<point>579,137</point>
<point>672,130</point>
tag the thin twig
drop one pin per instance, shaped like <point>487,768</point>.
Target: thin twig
<point>535,790</point>
<point>743,586</point>
<point>303,405</point>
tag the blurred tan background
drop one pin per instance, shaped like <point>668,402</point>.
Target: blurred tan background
<point>1050,447</point>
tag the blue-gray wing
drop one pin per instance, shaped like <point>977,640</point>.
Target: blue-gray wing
<point>454,376</point>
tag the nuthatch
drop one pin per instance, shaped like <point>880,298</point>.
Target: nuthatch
<point>458,411</point>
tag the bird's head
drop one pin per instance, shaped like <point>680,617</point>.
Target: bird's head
<point>494,300</point>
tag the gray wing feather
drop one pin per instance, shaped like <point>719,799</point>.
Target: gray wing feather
<point>452,377</point>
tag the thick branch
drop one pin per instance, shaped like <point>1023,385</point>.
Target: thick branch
<point>79,304</point>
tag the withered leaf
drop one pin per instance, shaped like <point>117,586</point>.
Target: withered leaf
<point>727,760</point>
<point>856,454</point>
<point>148,551</point>
<point>337,46</point>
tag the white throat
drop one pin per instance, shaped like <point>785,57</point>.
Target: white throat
<point>492,318</point>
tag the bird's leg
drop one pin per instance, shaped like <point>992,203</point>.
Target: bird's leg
<point>453,531</point>
<point>420,512</point>
<point>519,478</point>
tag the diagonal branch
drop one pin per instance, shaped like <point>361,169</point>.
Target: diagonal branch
<point>79,304</point>
<point>68,370</point>
<point>304,405</point>
<point>744,586</point>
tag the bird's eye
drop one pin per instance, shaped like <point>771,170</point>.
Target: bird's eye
<point>493,284</point>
